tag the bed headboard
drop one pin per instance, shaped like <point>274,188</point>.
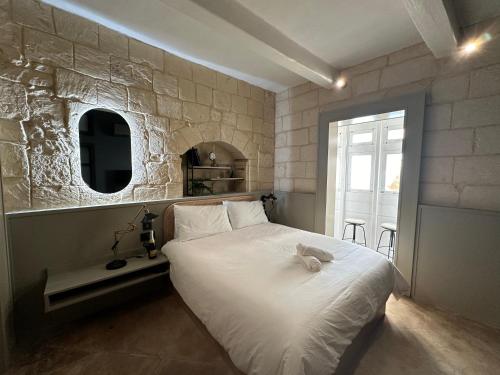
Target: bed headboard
<point>168,215</point>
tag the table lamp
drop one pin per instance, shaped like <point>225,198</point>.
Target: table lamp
<point>147,223</point>
<point>268,198</point>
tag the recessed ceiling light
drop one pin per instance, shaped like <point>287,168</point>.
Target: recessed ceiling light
<point>340,83</point>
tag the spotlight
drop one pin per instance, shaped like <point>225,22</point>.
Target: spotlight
<point>470,47</point>
<point>473,45</point>
<point>340,83</point>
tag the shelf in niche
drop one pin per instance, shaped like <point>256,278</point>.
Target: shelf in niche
<point>215,179</point>
<point>227,168</point>
<point>225,179</point>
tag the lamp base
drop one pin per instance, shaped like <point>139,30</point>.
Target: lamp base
<point>115,264</point>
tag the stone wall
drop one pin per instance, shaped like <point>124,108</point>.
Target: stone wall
<point>54,66</point>
<point>461,145</point>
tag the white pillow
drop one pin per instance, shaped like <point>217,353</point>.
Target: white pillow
<point>200,221</point>
<point>244,214</point>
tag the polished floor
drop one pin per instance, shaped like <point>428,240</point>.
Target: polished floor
<point>159,335</point>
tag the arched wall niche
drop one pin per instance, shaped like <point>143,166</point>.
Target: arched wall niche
<point>229,172</point>
<point>259,158</point>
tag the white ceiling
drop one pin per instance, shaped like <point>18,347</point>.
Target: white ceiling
<point>470,12</point>
<point>339,33</point>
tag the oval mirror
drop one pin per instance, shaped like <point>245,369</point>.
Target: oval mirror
<point>105,150</point>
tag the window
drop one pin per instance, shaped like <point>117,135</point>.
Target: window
<point>357,138</point>
<point>395,134</point>
<point>392,172</point>
<point>361,172</point>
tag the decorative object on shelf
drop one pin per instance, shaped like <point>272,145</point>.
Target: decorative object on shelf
<point>193,156</point>
<point>147,224</point>
<point>269,202</point>
<point>212,158</point>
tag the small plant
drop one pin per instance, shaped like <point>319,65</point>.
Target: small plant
<point>198,187</point>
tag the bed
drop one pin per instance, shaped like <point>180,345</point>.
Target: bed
<point>269,313</point>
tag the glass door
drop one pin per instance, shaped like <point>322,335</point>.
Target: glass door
<point>391,157</point>
<point>368,170</point>
<point>357,176</point>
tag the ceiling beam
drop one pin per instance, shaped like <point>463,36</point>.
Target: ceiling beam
<point>436,22</point>
<point>232,18</point>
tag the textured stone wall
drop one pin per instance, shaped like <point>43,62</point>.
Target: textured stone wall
<point>54,66</point>
<point>461,145</point>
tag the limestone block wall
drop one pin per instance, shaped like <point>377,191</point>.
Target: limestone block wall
<point>461,145</point>
<point>54,66</point>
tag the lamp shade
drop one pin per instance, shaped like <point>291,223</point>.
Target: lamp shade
<point>148,217</point>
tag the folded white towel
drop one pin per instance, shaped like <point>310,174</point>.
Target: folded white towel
<point>311,263</point>
<point>322,255</point>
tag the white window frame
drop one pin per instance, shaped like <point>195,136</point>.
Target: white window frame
<point>392,124</point>
<point>352,133</point>
<point>383,166</point>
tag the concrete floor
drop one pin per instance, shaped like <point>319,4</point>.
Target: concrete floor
<point>159,335</point>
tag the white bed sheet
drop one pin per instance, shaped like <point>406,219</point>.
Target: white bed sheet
<point>271,314</point>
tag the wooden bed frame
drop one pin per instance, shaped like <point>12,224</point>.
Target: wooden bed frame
<point>354,352</point>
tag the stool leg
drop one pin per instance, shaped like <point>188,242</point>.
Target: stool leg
<point>354,233</point>
<point>391,247</point>
<point>345,228</point>
<point>364,233</point>
<point>380,239</point>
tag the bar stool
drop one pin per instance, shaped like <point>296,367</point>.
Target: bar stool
<point>392,229</point>
<point>355,224</point>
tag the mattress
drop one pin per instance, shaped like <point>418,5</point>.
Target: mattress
<point>270,314</point>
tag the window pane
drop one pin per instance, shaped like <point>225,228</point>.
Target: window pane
<point>361,171</point>
<point>392,172</point>
<point>395,134</point>
<point>396,114</point>
<point>360,120</point>
<point>362,137</point>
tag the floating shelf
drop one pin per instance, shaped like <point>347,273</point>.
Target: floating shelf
<point>226,168</point>
<point>226,179</point>
<point>221,179</point>
<point>68,288</point>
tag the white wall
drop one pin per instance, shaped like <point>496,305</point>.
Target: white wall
<point>458,261</point>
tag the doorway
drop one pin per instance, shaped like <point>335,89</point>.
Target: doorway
<point>329,196</point>
<point>367,179</point>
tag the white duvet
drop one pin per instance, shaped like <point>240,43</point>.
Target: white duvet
<point>271,314</point>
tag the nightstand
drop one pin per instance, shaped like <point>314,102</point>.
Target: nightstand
<point>68,288</point>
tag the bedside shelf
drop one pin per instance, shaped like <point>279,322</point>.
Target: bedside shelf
<point>68,288</point>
